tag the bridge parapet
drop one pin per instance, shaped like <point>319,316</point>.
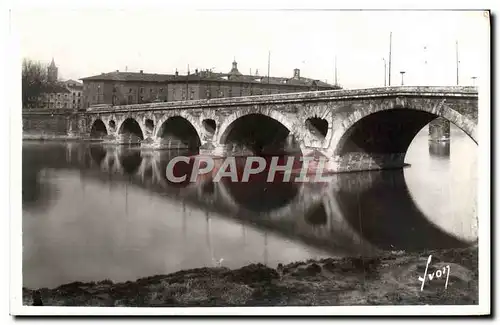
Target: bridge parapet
<point>325,95</point>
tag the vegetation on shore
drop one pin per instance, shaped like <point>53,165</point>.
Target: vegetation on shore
<point>391,279</point>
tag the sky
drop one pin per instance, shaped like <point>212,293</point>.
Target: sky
<point>87,42</point>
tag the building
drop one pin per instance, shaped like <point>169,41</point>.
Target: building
<point>122,88</point>
<point>55,96</point>
<point>58,94</point>
<point>76,96</point>
<point>52,72</point>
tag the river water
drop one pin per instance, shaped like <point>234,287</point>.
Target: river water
<point>92,213</point>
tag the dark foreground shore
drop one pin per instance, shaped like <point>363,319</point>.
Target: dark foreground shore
<point>391,279</point>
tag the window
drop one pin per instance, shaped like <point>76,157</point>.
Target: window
<point>230,92</point>
<point>142,90</point>
<point>150,90</point>
<point>130,90</point>
<point>79,94</point>
<point>161,90</point>
<point>114,89</point>
<point>191,96</point>
<point>130,99</point>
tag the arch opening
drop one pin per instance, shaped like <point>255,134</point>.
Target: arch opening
<point>178,132</point>
<point>258,134</point>
<point>112,126</point>
<point>131,129</point>
<point>317,126</point>
<point>150,124</point>
<point>384,132</point>
<point>98,129</point>
<point>210,126</point>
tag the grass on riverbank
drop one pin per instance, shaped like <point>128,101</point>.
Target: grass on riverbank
<point>388,280</point>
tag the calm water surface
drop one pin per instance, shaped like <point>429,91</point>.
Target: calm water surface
<point>92,213</point>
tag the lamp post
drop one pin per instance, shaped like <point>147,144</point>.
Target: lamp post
<point>402,77</point>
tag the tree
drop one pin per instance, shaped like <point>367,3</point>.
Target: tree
<point>34,81</point>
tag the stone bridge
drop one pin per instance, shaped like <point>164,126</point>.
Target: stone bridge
<point>364,129</point>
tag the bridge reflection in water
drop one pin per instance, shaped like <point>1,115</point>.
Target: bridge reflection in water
<point>355,214</point>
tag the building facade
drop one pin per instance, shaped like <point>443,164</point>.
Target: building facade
<point>122,88</point>
<point>58,94</point>
<point>76,93</point>
<point>55,96</point>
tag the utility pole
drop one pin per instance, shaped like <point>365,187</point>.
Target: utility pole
<point>336,71</point>
<point>402,77</point>
<point>458,62</point>
<point>385,73</point>
<point>187,84</point>
<point>390,58</point>
<point>268,69</point>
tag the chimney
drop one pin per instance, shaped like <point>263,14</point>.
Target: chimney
<point>117,70</point>
<point>196,71</point>
<point>140,71</point>
<point>296,73</point>
<point>176,72</point>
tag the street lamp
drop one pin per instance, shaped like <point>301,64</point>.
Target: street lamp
<point>402,77</point>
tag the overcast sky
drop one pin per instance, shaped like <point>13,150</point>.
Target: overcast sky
<point>88,42</point>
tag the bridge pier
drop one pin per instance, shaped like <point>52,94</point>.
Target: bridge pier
<point>439,130</point>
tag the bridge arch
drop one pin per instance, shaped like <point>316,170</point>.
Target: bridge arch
<point>130,125</point>
<point>250,125</point>
<point>389,127</point>
<point>98,128</point>
<point>181,127</point>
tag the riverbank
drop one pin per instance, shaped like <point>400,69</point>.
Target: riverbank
<point>54,137</point>
<point>391,279</point>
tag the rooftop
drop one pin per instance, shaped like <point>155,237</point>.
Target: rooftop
<point>54,88</point>
<point>206,75</point>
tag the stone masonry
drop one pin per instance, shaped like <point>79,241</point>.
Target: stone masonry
<point>367,129</point>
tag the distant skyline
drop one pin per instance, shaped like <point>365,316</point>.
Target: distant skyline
<point>88,42</point>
